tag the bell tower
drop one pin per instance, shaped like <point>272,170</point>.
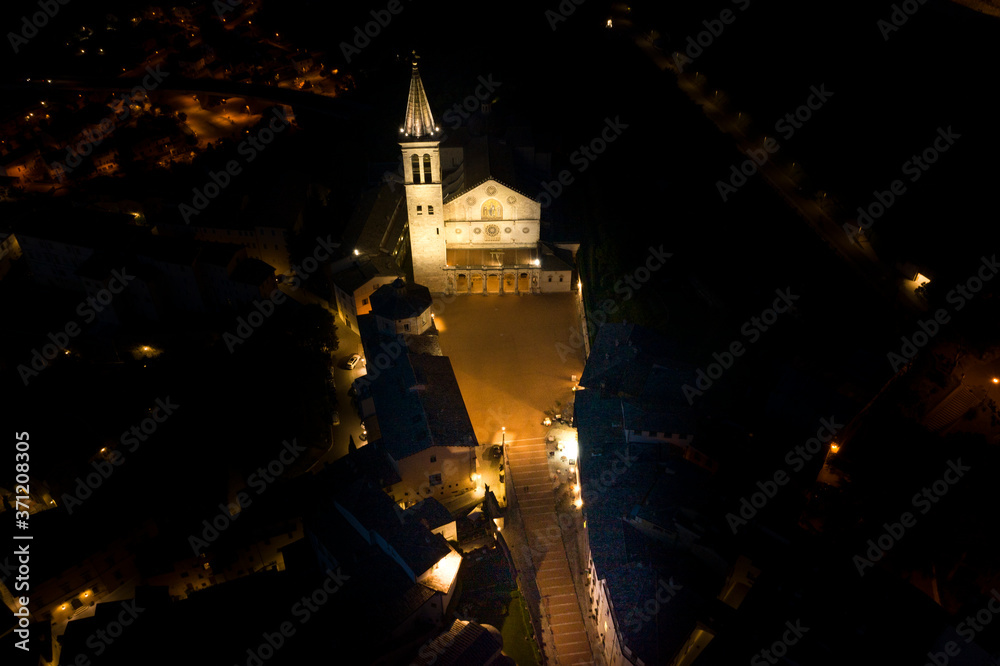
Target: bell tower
<point>419,139</point>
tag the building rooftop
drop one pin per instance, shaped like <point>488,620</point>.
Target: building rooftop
<point>417,398</point>
<point>429,512</point>
<point>642,529</point>
<point>252,271</point>
<point>355,276</point>
<point>378,221</point>
<point>505,160</point>
<point>220,254</point>
<point>463,644</point>
<point>401,300</point>
<point>419,121</point>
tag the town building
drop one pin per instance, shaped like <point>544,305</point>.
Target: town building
<point>410,400</point>
<point>641,534</point>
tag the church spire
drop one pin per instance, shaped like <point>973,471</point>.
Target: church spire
<point>419,121</point>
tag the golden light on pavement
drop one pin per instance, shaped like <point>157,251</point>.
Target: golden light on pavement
<point>570,445</point>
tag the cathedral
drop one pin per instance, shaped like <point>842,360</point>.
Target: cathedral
<point>469,231</point>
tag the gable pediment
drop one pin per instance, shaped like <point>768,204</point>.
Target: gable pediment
<point>492,200</point>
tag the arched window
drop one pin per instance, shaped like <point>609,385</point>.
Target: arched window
<point>427,169</point>
<point>415,163</point>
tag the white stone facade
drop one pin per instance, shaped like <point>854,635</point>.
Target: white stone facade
<point>425,213</point>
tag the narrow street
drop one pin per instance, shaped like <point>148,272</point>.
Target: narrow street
<point>559,606</point>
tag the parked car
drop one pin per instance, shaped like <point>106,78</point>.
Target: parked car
<point>353,361</point>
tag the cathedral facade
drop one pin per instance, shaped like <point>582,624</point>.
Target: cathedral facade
<point>477,239</point>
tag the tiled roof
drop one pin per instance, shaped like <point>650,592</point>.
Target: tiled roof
<point>401,300</point>
<point>430,510</point>
<point>350,279</point>
<point>464,644</point>
<point>417,397</point>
